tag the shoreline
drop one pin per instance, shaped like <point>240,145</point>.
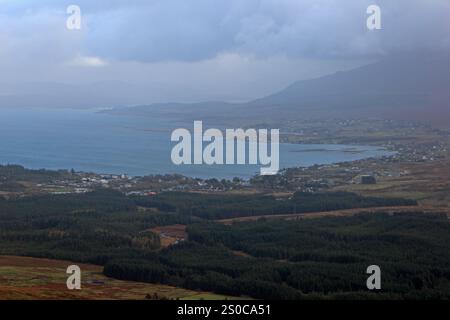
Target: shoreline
<point>352,150</point>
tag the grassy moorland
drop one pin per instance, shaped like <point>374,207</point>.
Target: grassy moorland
<point>34,278</point>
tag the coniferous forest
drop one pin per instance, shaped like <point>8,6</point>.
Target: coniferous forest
<point>323,257</point>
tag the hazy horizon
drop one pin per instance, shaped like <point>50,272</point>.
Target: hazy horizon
<point>169,51</point>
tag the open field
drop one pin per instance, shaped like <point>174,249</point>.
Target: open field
<point>171,234</point>
<point>427,182</point>
<point>341,213</point>
<point>44,279</point>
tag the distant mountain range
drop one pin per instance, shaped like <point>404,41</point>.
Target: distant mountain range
<point>406,87</point>
<point>413,87</point>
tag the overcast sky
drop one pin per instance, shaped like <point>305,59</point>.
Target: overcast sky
<point>190,50</point>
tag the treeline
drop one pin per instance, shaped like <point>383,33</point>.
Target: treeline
<point>309,258</point>
<point>15,173</point>
<point>361,238</point>
<point>154,202</point>
<point>314,258</point>
<point>93,227</point>
<point>99,201</point>
<point>215,206</point>
<point>198,267</point>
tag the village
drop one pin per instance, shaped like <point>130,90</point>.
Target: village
<point>412,147</point>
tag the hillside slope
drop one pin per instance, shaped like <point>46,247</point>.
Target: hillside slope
<point>397,87</point>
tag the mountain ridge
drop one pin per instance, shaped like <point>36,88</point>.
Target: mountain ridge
<point>415,87</point>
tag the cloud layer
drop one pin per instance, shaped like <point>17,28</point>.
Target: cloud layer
<point>180,30</point>
<point>190,50</point>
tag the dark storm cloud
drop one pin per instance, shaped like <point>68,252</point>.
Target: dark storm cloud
<point>195,30</point>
